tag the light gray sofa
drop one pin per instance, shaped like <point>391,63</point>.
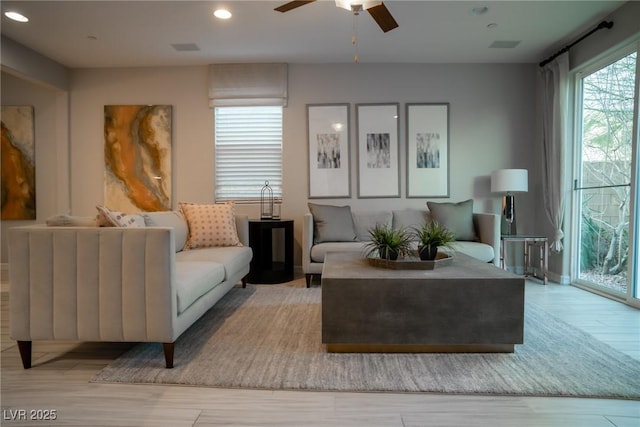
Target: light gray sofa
<point>116,284</point>
<point>318,240</point>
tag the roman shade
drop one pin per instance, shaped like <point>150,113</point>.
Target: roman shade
<point>247,85</point>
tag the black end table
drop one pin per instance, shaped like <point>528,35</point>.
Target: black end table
<point>271,263</point>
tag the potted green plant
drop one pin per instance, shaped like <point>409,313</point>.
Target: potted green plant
<point>431,235</point>
<point>389,242</point>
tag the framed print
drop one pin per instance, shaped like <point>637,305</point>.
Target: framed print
<point>137,157</point>
<point>18,162</point>
<point>378,150</point>
<point>428,150</point>
<point>328,138</point>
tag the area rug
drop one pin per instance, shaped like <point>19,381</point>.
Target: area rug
<point>266,337</point>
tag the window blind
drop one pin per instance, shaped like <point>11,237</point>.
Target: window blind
<point>247,84</point>
<point>248,152</point>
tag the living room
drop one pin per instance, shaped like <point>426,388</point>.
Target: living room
<point>494,123</point>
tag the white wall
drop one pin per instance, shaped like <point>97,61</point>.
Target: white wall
<point>492,118</point>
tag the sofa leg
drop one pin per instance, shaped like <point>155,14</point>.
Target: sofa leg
<point>168,353</point>
<point>308,277</point>
<point>25,353</point>
<point>244,282</point>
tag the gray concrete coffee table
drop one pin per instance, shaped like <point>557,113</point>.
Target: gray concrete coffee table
<point>466,306</point>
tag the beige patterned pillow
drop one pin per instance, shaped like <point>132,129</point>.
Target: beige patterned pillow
<point>210,225</point>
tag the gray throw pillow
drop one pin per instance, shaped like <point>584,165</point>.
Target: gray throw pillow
<point>332,223</point>
<point>456,217</point>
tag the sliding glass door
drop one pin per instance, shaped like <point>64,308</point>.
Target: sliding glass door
<point>605,184</point>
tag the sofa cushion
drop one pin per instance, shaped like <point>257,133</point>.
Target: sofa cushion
<point>210,225</point>
<point>332,223</point>
<point>194,279</point>
<point>364,221</point>
<point>477,250</point>
<point>456,217</point>
<point>319,251</point>
<point>233,258</point>
<point>410,218</point>
<point>107,217</point>
<point>172,219</point>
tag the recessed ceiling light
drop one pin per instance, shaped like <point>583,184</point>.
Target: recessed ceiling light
<point>16,16</point>
<point>222,14</point>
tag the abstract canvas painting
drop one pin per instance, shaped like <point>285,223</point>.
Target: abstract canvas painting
<point>137,157</point>
<point>18,180</point>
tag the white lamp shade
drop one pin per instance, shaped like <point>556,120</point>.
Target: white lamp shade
<point>510,181</point>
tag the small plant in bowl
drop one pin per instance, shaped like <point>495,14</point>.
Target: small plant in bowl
<point>430,236</point>
<point>389,242</point>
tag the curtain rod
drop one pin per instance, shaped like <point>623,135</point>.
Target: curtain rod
<point>603,24</point>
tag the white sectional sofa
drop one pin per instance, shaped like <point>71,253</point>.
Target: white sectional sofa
<point>338,229</point>
<point>115,283</point>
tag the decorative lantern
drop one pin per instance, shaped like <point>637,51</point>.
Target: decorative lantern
<point>266,202</point>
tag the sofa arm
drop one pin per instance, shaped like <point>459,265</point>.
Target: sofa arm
<point>92,283</point>
<point>307,242</point>
<point>487,226</point>
<point>242,227</point>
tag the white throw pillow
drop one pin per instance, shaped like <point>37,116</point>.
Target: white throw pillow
<point>118,219</point>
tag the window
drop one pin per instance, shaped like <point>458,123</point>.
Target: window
<point>604,185</point>
<point>248,152</point>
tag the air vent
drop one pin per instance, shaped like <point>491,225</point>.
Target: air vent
<point>505,44</point>
<point>185,47</point>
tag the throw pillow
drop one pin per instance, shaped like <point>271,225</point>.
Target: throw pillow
<point>64,220</point>
<point>456,217</point>
<point>332,223</point>
<point>210,225</point>
<point>108,218</point>
<point>172,219</point>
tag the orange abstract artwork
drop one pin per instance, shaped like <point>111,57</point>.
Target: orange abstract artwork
<point>18,179</point>
<point>137,157</point>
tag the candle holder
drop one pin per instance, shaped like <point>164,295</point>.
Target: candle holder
<point>266,202</point>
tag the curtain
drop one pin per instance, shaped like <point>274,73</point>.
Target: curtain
<point>247,85</point>
<point>555,182</point>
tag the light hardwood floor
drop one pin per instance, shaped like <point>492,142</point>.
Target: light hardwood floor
<point>60,378</point>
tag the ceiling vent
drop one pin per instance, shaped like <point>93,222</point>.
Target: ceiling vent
<point>185,47</point>
<point>505,44</point>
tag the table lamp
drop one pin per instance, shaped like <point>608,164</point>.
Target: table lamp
<point>509,181</point>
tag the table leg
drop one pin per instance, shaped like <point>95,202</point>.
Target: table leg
<point>545,260</point>
<point>526,258</point>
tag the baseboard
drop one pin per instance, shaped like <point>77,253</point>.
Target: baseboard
<point>559,278</point>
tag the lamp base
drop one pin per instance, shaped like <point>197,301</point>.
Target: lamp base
<point>507,228</point>
<point>508,224</point>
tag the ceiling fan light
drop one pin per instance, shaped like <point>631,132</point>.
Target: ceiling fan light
<point>348,4</point>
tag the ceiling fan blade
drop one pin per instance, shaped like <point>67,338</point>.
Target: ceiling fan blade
<point>383,17</point>
<point>292,5</point>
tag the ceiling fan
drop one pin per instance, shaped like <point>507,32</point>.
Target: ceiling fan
<point>376,9</point>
